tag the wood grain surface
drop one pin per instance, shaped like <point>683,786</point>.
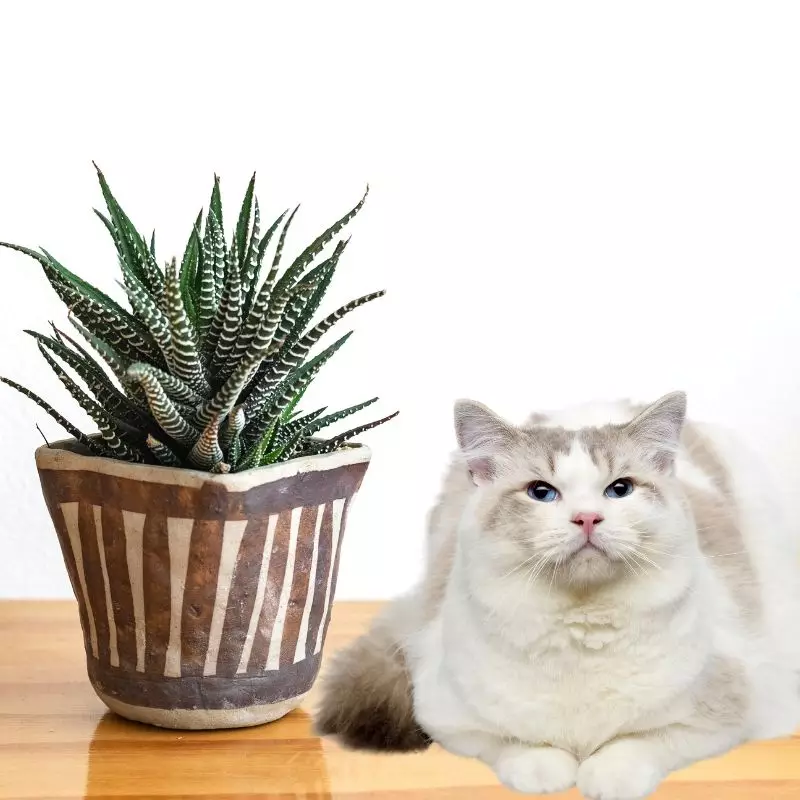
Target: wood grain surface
<point>57,741</point>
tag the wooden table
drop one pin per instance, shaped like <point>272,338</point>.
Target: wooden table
<point>57,741</point>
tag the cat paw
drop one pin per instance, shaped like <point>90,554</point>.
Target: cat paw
<point>624,770</point>
<point>536,770</point>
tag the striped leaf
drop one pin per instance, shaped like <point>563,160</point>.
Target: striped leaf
<point>163,409</point>
<point>217,250</point>
<point>66,339</point>
<point>228,319</point>
<point>284,451</point>
<point>329,445</point>
<point>313,426</point>
<point>289,411</point>
<point>298,299</point>
<point>255,454</point>
<point>188,274</point>
<point>116,227</point>
<point>293,354</point>
<point>235,453</point>
<point>288,354</point>
<point>262,249</point>
<point>232,429</point>
<point>115,331</point>
<point>184,358</point>
<point>215,206</point>
<point>301,423</point>
<point>249,268</point>
<point>308,255</point>
<point>205,281</point>
<point>227,396</point>
<point>152,316</point>
<point>111,433</point>
<point>261,406</point>
<point>131,245</point>
<point>276,260</point>
<point>221,468</point>
<point>174,387</point>
<point>259,381</point>
<point>112,358</point>
<point>72,430</point>
<point>162,453</point>
<point>98,383</point>
<point>206,451</point>
<point>105,317</point>
<point>321,276</point>
<point>321,328</point>
<point>251,326</point>
<point>243,225</point>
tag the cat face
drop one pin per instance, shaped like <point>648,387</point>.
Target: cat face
<point>577,506</point>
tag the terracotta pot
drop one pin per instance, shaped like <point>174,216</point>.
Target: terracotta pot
<point>204,599</point>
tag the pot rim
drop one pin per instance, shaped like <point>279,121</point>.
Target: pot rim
<point>59,456</point>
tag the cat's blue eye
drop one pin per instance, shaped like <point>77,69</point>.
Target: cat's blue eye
<point>621,488</point>
<point>543,492</point>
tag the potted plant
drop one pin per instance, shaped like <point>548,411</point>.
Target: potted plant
<point>201,525</point>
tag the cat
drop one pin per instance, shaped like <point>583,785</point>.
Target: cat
<point>611,594</point>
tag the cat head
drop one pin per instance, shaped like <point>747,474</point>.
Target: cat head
<point>581,506</point>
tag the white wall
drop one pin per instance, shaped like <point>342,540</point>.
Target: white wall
<point>569,201</point>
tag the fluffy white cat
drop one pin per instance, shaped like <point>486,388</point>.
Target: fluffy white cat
<point>611,594</point>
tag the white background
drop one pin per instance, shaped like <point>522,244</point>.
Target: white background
<point>569,201</point>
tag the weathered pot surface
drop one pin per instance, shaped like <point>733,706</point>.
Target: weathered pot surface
<point>204,599</point>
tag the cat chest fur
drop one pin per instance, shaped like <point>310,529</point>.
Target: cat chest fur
<point>576,680</point>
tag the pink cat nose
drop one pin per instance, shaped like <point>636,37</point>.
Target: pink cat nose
<point>587,520</point>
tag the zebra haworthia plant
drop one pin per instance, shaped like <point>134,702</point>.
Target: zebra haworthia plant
<point>207,368</point>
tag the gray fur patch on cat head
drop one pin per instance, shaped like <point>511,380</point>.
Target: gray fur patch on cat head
<point>579,464</point>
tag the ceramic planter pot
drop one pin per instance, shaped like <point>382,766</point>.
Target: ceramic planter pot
<point>204,599</point>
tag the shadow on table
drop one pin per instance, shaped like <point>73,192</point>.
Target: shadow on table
<point>279,760</point>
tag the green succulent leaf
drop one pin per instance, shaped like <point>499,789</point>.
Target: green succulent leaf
<point>232,429</point>
<point>131,246</point>
<point>215,206</point>
<point>262,249</point>
<point>270,402</point>
<point>308,255</point>
<point>293,353</point>
<point>184,357</point>
<point>313,426</point>
<point>97,311</point>
<point>99,384</point>
<point>243,225</point>
<point>163,409</point>
<point>228,319</point>
<point>188,275</point>
<point>208,367</point>
<point>162,453</point>
<point>150,313</point>
<point>71,429</point>
<point>254,456</point>
<point>329,445</point>
<point>207,452</point>
<point>249,268</point>
<point>285,450</point>
<point>114,437</point>
<point>276,260</point>
<point>302,423</point>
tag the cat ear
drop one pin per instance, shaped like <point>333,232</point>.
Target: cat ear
<point>483,438</point>
<point>657,430</point>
